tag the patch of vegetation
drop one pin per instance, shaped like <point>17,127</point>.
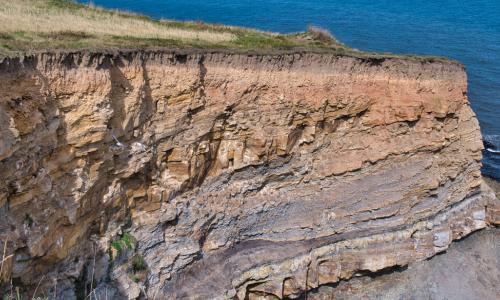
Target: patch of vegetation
<point>64,4</point>
<point>117,246</point>
<point>321,35</point>
<point>128,240</point>
<point>134,278</point>
<point>123,255</point>
<point>125,242</point>
<point>67,35</point>
<point>41,25</point>
<point>138,269</point>
<point>138,263</point>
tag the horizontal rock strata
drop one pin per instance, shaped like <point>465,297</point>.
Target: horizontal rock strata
<point>237,175</point>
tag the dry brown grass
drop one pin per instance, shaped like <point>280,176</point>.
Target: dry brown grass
<point>35,17</point>
<point>321,34</point>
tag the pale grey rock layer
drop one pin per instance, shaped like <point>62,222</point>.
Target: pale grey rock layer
<point>469,269</point>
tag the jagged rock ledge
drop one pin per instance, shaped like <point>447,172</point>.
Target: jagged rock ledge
<point>237,175</point>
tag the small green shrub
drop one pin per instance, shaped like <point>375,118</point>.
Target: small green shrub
<point>125,242</point>
<point>117,245</point>
<point>138,263</point>
<point>128,240</point>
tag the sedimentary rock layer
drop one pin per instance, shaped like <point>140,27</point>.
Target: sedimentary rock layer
<point>237,175</point>
<point>470,269</point>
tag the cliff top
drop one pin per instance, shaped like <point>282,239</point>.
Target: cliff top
<point>41,25</point>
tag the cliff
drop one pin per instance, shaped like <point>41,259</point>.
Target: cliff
<point>215,175</point>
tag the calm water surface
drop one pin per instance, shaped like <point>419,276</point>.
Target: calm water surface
<point>468,31</point>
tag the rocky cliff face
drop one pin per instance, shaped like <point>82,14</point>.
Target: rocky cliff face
<point>470,269</point>
<point>212,175</point>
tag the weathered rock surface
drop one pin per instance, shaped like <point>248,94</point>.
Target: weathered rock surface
<point>470,269</point>
<point>237,175</point>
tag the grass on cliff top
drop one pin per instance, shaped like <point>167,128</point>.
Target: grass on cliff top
<point>62,24</point>
<point>38,25</point>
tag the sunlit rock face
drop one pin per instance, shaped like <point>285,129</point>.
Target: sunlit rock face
<point>235,175</point>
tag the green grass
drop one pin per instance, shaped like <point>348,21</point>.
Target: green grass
<point>43,24</point>
<point>46,25</point>
<point>125,242</point>
<point>128,240</point>
<point>117,245</point>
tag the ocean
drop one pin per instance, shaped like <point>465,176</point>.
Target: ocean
<point>467,31</point>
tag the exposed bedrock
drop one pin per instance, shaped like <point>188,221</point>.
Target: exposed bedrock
<point>236,176</point>
<point>469,269</point>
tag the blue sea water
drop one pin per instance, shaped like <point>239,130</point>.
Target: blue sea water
<point>468,31</point>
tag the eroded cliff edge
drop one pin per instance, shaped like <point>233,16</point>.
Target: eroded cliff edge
<point>237,175</point>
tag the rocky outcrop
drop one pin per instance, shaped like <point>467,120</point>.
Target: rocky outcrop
<point>470,269</point>
<point>235,176</point>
